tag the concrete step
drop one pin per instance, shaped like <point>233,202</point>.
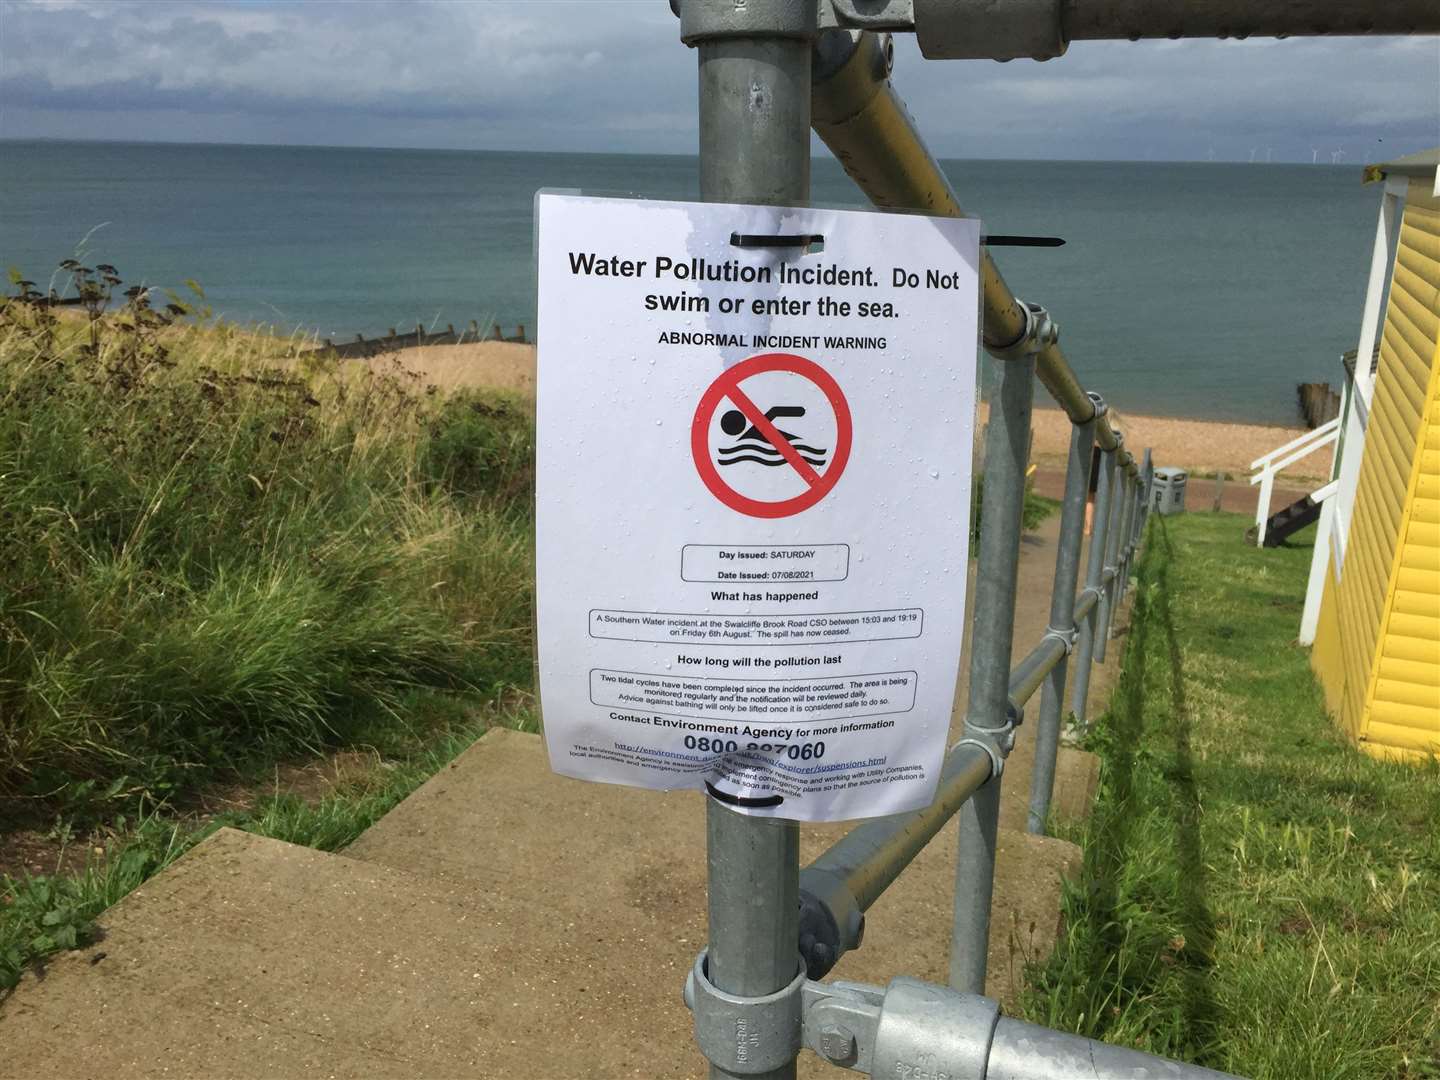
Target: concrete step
<point>632,863</point>
<point>502,921</point>
<point>250,957</point>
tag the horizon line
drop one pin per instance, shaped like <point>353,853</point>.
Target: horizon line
<point>627,153</point>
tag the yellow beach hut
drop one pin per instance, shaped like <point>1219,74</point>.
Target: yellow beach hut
<point>1372,608</point>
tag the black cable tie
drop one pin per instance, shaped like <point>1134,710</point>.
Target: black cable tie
<point>1003,240</point>
<point>783,240</point>
<point>743,800</point>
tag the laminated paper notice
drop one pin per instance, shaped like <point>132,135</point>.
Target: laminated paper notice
<point>753,491</point>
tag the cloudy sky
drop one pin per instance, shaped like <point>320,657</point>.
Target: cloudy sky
<point>600,75</point>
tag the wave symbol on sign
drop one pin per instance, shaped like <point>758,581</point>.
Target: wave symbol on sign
<point>751,445</point>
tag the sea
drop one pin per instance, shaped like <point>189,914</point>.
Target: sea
<point>1196,290</point>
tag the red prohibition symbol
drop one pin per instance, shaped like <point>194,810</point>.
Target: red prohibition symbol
<point>727,386</point>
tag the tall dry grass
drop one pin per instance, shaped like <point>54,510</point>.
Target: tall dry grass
<point>211,551</point>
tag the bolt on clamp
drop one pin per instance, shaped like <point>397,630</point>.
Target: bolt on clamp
<point>996,742</point>
<point>745,1035</point>
<point>1040,333</point>
<point>987,743</point>
<point>908,1029</point>
<point>1065,636</point>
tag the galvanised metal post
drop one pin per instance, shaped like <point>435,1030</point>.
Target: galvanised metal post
<point>1108,590</point>
<point>755,148</point>
<point>1094,581</point>
<point>1127,536</point>
<point>1132,531</point>
<point>1062,620</point>
<point>1147,479</point>
<point>987,718</point>
<point>1142,514</point>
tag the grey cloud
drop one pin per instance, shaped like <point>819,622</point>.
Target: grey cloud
<point>594,75</point>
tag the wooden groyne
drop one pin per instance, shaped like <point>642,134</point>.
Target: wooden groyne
<point>1319,404</point>
<point>417,338</point>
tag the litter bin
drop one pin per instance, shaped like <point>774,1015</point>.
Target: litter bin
<point>1168,491</point>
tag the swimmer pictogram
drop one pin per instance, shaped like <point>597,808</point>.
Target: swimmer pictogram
<point>806,463</point>
<point>751,445</point>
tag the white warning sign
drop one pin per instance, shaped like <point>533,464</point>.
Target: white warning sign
<point>755,428</point>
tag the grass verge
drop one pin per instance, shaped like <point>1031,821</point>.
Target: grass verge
<point>1257,896</point>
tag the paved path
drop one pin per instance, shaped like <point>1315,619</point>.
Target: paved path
<point>501,921</point>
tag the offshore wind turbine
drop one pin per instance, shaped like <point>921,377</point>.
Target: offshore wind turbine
<point>1314,155</point>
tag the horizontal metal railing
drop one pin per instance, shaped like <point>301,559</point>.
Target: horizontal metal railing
<point>749,1020</point>
<point>858,115</point>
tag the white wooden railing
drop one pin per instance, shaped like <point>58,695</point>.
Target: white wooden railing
<point>1264,469</point>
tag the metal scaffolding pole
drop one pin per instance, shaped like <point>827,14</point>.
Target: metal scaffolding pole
<point>1132,541</point>
<point>1043,29</point>
<point>987,718</point>
<point>917,1029</point>
<point>754,148</point>
<point>752,1004</point>
<point>1135,19</point>
<point>1127,530</point>
<point>1062,621</point>
<point>1109,590</point>
<point>860,117</point>
<point>1094,586</point>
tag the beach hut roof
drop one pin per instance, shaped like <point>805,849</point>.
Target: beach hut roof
<point>1425,163</point>
<point>1347,358</point>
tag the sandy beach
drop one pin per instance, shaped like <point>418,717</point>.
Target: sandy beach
<point>1198,445</point>
<point>1201,446</point>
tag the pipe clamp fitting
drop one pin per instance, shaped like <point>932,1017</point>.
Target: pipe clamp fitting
<point>1066,637</point>
<point>1039,334</point>
<point>701,20</point>
<point>933,1031</point>
<point>742,1035</point>
<point>996,742</point>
